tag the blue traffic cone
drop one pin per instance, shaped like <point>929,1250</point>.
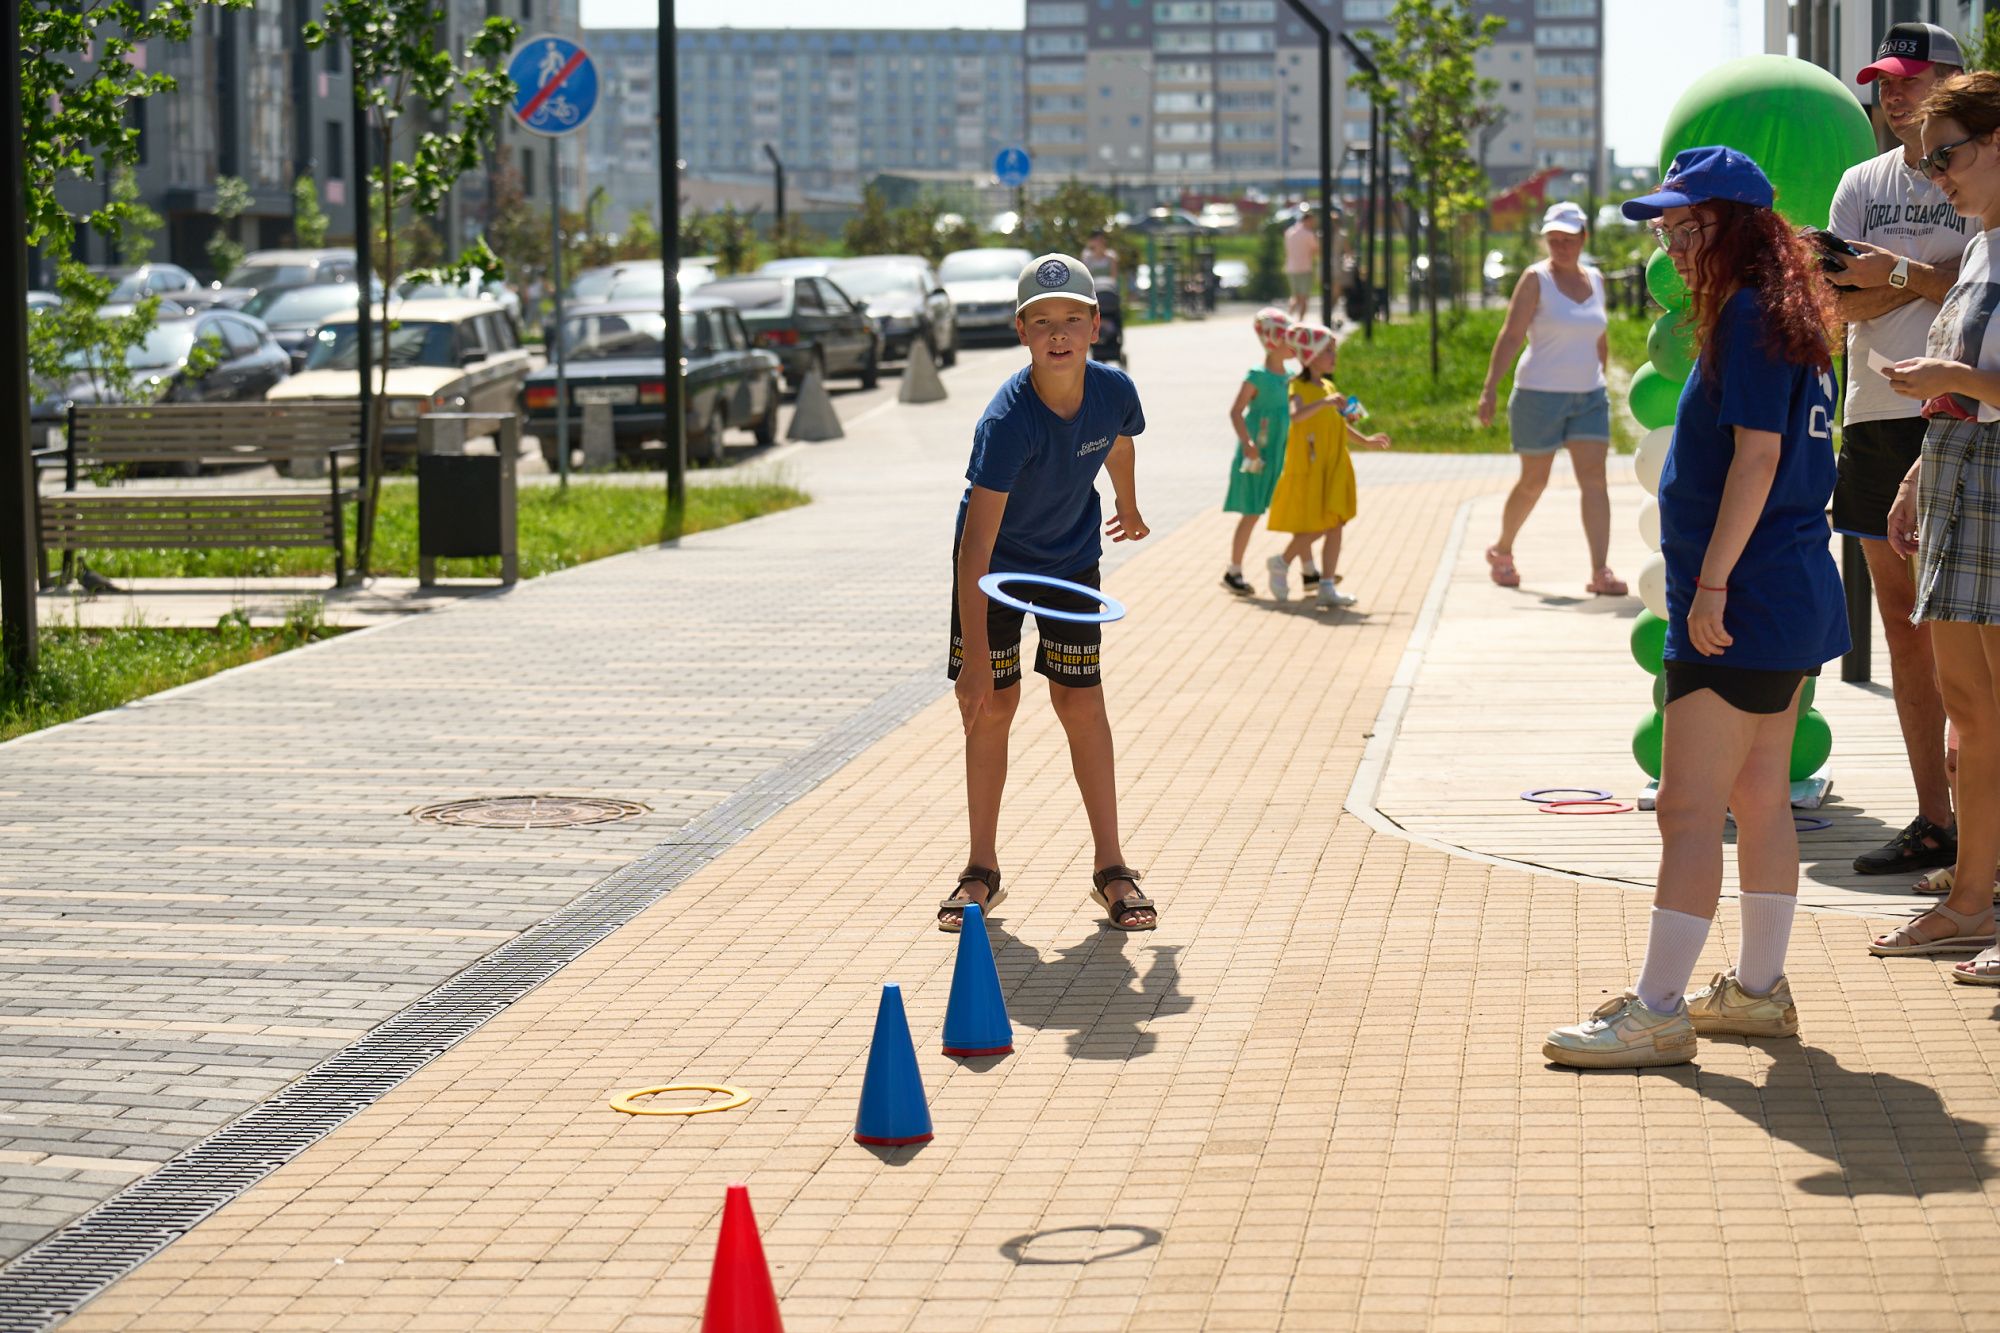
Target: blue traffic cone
<point>893,1111</point>
<point>975,1019</point>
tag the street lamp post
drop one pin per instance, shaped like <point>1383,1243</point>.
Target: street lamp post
<point>670,263</point>
<point>777,192</point>
<point>19,643</point>
<point>1377,166</point>
<point>1325,35</point>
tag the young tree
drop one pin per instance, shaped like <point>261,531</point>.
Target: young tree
<point>396,61</point>
<point>1427,84</point>
<point>139,226</point>
<point>232,201</point>
<point>309,221</point>
<point>1060,222</point>
<point>871,231</point>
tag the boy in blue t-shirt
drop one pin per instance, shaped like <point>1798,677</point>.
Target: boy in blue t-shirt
<point>1031,507</point>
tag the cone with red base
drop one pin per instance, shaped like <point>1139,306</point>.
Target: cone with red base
<point>975,1018</point>
<point>893,1109</point>
<point>740,1298</point>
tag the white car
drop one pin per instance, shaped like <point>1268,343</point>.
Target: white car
<point>982,285</point>
<point>1219,217</point>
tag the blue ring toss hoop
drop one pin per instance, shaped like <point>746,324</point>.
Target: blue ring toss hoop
<point>1810,823</point>
<point>1113,608</point>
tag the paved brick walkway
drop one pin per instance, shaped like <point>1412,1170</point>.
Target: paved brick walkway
<point>1312,1100</point>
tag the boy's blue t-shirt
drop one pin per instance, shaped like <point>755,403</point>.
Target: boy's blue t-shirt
<point>1048,468</point>
<point>1785,609</point>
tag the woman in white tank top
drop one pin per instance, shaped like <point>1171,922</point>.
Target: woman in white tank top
<point>1559,399</point>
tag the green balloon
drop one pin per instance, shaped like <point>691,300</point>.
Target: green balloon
<point>1664,281</point>
<point>1670,345</point>
<point>1660,692</point>
<point>1654,398</point>
<point>1649,642</point>
<point>1647,738</point>
<point>1793,119</point>
<point>1812,742</point>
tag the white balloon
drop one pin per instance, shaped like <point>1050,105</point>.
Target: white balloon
<point>1649,523</point>
<point>1653,584</point>
<point>1651,456</point>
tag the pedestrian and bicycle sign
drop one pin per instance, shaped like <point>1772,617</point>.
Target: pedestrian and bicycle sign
<point>1012,166</point>
<point>555,84</point>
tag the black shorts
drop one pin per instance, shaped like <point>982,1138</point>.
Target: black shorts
<point>1874,455</point>
<point>1066,651</point>
<point>1746,689</point>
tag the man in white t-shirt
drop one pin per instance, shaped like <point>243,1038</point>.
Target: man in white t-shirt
<point>1911,241</point>
<point>1301,262</point>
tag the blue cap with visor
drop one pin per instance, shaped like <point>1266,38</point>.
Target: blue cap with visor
<point>1701,174</point>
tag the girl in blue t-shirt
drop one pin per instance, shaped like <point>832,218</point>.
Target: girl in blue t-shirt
<point>1754,606</point>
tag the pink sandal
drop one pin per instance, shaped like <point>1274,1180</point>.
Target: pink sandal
<point>1606,584</point>
<point>1500,564</point>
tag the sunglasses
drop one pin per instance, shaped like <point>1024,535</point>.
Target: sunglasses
<point>1938,161</point>
<point>1676,238</point>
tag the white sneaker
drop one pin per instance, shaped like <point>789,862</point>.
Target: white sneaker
<point>1624,1034</point>
<point>1334,599</point>
<point>1281,584</point>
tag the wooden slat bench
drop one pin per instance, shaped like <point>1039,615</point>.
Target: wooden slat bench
<point>295,437</point>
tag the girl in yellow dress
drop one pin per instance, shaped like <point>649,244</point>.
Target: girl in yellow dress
<point>1315,496</point>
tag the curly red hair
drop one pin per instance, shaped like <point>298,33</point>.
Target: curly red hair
<point>1756,248</point>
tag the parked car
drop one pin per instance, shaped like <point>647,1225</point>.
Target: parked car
<point>636,277</point>
<point>809,322</point>
<point>1494,272</point>
<point>283,268</point>
<point>163,280</point>
<point>1423,273</point>
<point>982,285</point>
<point>798,266</point>
<point>41,300</point>
<point>1219,217</point>
<point>615,354</point>
<point>444,356</point>
<point>248,365</point>
<point>478,287</point>
<point>1232,276</point>
<point>907,302</point>
<point>294,314</point>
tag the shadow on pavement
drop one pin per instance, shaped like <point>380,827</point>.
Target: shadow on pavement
<point>1883,1134</point>
<point>1087,989</point>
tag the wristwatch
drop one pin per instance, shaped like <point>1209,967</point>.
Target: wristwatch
<point>1899,276</point>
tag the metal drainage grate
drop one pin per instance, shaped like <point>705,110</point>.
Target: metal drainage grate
<point>54,1278</point>
<point>529,811</point>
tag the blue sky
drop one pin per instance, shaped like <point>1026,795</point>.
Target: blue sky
<point>1648,45</point>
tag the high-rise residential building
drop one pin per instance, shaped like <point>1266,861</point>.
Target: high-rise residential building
<point>837,106</point>
<point>1226,91</point>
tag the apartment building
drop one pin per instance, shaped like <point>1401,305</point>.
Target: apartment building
<point>1227,90</point>
<point>838,106</point>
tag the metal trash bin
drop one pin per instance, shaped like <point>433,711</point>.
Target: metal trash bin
<point>466,502</point>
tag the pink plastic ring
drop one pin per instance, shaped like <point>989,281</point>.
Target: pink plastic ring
<point>1569,808</point>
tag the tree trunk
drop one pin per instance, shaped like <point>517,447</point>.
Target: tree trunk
<point>1431,278</point>
<point>364,537</point>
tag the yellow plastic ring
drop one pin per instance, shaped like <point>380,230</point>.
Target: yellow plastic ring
<point>624,1100</point>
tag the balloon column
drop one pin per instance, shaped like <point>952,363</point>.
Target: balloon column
<point>1802,126</point>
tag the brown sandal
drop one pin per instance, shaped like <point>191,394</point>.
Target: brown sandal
<point>1118,909</point>
<point>951,912</point>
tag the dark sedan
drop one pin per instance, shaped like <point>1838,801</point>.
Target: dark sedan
<point>907,302</point>
<point>810,322</point>
<point>247,363</point>
<point>295,314</point>
<point>614,354</point>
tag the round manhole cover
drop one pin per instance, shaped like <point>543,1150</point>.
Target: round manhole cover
<point>528,811</point>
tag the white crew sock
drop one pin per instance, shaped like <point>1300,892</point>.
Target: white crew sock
<point>1767,929</point>
<point>1237,570</point>
<point>1673,946</point>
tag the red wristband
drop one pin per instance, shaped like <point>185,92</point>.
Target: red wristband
<point>1705,588</point>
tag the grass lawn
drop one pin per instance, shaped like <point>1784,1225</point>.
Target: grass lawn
<point>1392,377</point>
<point>557,529</point>
<point>88,670</point>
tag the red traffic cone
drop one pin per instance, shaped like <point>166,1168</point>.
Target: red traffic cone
<point>740,1298</point>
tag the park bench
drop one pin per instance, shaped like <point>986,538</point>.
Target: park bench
<point>107,442</point>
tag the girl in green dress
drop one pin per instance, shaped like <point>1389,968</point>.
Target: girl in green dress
<point>1261,415</point>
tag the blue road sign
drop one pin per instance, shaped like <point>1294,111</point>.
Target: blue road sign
<point>555,85</point>
<point>1012,166</point>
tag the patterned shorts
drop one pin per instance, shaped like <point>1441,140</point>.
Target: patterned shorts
<point>1958,509</point>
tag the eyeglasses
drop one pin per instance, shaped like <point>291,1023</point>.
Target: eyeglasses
<point>1938,161</point>
<point>1676,238</point>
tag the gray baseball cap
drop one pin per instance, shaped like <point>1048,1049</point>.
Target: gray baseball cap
<point>1054,275</point>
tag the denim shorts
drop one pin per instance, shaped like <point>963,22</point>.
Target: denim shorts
<point>1543,422</point>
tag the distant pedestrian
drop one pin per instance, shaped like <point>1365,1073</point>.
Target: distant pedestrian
<point>1755,606</point>
<point>1261,415</point>
<point>1099,257</point>
<point>1301,262</point>
<point>1316,496</point>
<point>1559,399</point>
<point>1031,507</point>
